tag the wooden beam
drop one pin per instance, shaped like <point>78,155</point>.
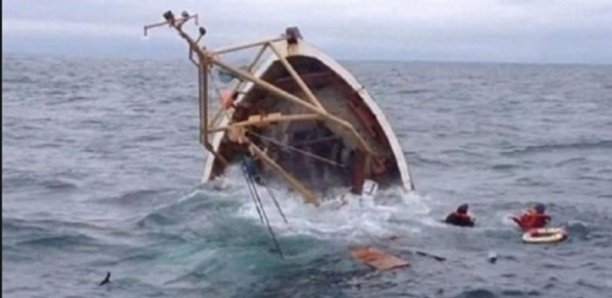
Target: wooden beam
<point>309,195</point>
<point>311,78</point>
<point>241,83</point>
<point>203,88</point>
<point>358,171</point>
<point>203,96</point>
<point>267,86</point>
<point>257,57</point>
<point>246,46</point>
<point>296,77</point>
<point>265,119</point>
<point>290,97</point>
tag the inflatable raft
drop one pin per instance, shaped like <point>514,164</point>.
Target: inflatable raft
<point>545,235</point>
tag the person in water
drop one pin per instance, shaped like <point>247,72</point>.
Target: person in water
<point>532,218</point>
<point>460,217</point>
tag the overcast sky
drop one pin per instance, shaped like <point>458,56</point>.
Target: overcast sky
<point>529,31</point>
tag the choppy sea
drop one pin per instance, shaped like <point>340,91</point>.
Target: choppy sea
<point>101,172</point>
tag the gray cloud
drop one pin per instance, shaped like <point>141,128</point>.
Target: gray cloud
<point>474,30</point>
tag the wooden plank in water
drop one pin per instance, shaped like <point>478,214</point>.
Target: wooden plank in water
<point>377,258</point>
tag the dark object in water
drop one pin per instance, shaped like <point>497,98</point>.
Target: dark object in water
<point>421,253</point>
<point>492,257</point>
<point>437,258</point>
<point>106,279</point>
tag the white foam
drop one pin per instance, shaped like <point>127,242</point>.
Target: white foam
<point>346,216</point>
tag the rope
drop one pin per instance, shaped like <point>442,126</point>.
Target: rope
<point>257,200</point>
<point>318,140</point>
<point>311,155</point>
<point>265,184</point>
<point>323,159</point>
<point>251,192</point>
<point>214,83</point>
<point>212,79</point>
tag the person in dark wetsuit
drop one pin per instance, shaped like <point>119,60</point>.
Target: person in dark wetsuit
<point>460,217</point>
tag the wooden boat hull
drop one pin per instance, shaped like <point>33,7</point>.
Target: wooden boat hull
<point>341,95</point>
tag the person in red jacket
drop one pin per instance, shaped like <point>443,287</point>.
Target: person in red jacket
<point>460,217</point>
<point>533,218</point>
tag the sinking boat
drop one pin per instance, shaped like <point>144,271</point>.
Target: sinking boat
<point>297,114</point>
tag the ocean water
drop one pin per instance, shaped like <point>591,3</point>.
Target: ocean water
<point>101,173</point>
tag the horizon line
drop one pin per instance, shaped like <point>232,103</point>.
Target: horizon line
<point>382,60</point>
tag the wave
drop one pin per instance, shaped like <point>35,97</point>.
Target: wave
<point>44,234</point>
<point>418,159</point>
<point>59,241</point>
<point>477,293</point>
<point>604,144</point>
<point>18,79</point>
<point>505,167</point>
<point>18,181</point>
<point>139,197</point>
<point>348,216</point>
<point>532,181</point>
<point>58,184</point>
<point>200,202</point>
<point>413,91</point>
<point>571,161</point>
<point>157,218</point>
<point>63,98</point>
<point>487,293</point>
<point>223,204</point>
<point>12,227</point>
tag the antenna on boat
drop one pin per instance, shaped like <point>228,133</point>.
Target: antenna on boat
<point>203,63</point>
<point>172,21</point>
